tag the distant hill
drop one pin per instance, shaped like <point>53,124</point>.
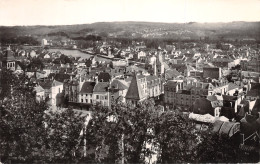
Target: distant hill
<point>192,30</point>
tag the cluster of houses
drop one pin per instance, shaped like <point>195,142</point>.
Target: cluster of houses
<point>66,43</point>
<point>192,78</point>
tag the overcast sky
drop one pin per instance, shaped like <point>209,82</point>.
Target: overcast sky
<point>60,12</point>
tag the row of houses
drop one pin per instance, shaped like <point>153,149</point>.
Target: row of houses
<point>135,88</point>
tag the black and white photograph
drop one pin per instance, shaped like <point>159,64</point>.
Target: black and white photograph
<point>129,81</point>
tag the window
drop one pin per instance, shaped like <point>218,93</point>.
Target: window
<point>86,100</point>
<point>105,97</point>
<point>81,100</point>
<point>86,95</point>
<point>59,90</point>
<point>90,95</point>
<point>97,97</point>
<point>216,112</point>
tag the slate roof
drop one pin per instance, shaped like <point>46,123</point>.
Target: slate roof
<point>88,87</point>
<point>256,107</point>
<point>186,92</point>
<point>254,92</point>
<point>101,87</point>
<point>232,86</point>
<point>171,83</point>
<point>223,127</point>
<point>179,67</point>
<point>104,77</point>
<point>249,124</point>
<point>214,98</point>
<point>135,91</point>
<point>171,73</point>
<point>227,112</point>
<point>255,86</point>
<point>203,106</point>
<point>60,76</point>
<point>50,83</point>
<point>229,98</point>
<point>38,89</point>
<point>119,84</point>
<point>8,56</point>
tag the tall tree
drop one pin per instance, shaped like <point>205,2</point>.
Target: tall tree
<point>29,130</point>
<point>63,128</point>
<point>177,137</point>
<point>120,132</point>
<point>220,148</point>
<point>21,122</point>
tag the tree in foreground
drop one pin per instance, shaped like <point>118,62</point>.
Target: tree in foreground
<point>220,148</point>
<point>29,130</point>
<point>177,137</point>
<point>21,122</point>
<point>119,134</point>
<point>63,129</point>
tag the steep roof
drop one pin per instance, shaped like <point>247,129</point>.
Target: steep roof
<point>119,84</point>
<point>50,83</point>
<point>171,73</point>
<point>256,107</point>
<point>59,76</point>
<point>101,87</point>
<point>203,106</point>
<point>171,83</point>
<point>232,86</point>
<point>135,90</point>
<point>38,89</point>
<point>8,56</point>
<point>88,87</point>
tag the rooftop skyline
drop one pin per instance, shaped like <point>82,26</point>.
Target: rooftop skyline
<point>66,12</point>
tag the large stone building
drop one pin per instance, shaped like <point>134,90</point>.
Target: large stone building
<point>182,93</point>
<point>101,94</point>
<point>252,65</point>
<point>86,92</point>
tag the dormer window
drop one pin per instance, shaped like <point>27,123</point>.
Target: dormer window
<point>216,112</point>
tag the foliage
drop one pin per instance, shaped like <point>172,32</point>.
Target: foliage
<point>7,79</point>
<point>177,137</point>
<point>89,38</point>
<point>63,129</point>
<point>24,134</point>
<point>222,149</point>
<point>21,122</point>
<point>107,127</point>
<point>63,59</point>
<point>35,64</point>
<point>30,131</point>
<point>20,40</point>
